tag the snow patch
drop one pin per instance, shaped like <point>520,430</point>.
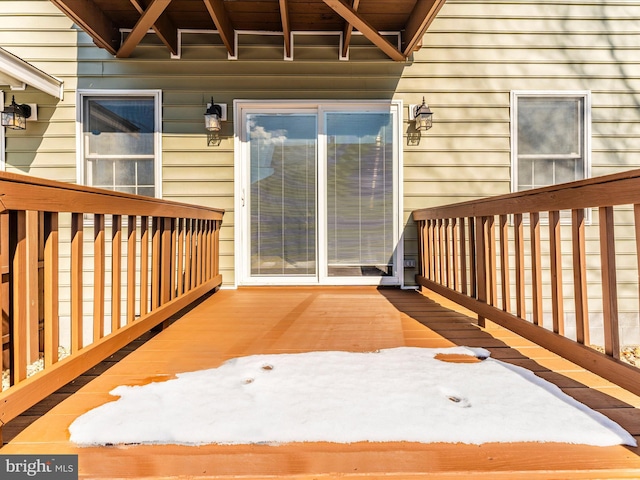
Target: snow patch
<point>391,395</point>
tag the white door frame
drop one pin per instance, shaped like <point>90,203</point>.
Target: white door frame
<point>241,216</point>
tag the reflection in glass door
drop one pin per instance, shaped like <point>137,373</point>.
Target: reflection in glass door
<point>283,152</point>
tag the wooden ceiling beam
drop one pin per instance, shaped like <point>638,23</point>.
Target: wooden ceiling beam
<point>93,21</point>
<point>286,27</point>
<point>164,27</point>
<point>423,14</point>
<point>145,22</point>
<point>348,30</point>
<point>352,17</point>
<point>223,24</point>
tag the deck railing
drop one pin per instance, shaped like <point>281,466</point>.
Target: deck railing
<point>78,285</point>
<point>535,262</point>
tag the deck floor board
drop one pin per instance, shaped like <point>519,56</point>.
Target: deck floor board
<point>248,321</point>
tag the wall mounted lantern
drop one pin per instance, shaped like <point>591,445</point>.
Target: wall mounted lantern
<point>15,116</point>
<point>213,123</point>
<point>423,116</point>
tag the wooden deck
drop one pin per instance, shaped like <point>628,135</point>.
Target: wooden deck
<point>248,321</point>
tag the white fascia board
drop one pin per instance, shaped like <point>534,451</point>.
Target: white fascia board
<point>26,74</point>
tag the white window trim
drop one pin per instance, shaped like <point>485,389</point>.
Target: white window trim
<point>240,105</point>
<point>515,94</point>
<point>157,96</point>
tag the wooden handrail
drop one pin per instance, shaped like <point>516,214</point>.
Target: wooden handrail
<point>169,260</point>
<point>510,274</point>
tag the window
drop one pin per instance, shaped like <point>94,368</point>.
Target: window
<point>120,141</point>
<point>550,138</point>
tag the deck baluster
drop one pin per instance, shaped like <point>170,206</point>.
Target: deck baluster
<point>463,256</point>
<point>455,254</point>
<point>116,272</point>
<point>481,263</point>
<point>98,276</point>
<point>131,267</point>
<point>580,276</point>
<point>609,284</point>
<point>492,289</point>
<point>51,286</point>
<point>557,298</point>
<point>77,297</point>
<point>536,268</point>
<point>144,265</point>
<point>505,280</point>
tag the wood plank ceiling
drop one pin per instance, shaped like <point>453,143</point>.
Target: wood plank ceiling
<point>105,20</point>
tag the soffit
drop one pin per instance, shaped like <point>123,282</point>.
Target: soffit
<point>105,20</point>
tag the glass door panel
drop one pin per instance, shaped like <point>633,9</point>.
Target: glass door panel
<point>282,197</point>
<point>360,194</point>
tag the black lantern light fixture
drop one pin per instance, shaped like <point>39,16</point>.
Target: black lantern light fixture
<point>213,123</point>
<point>15,116</point>
<point>213,117</point>
<point>423,116</point>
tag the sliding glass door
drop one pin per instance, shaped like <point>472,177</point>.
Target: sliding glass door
<point>319,196</point>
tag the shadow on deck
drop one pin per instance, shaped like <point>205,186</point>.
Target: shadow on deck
<point>248,321</point>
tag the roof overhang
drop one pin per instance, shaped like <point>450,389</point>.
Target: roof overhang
<point>17,73</point>
<point>106,20</point>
